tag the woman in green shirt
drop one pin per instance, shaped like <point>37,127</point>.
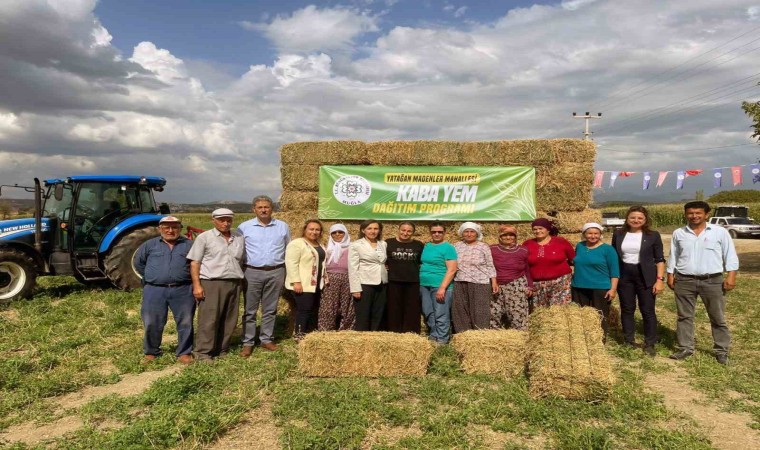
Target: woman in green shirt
<point>596,273</point>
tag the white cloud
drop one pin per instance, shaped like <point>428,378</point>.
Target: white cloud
<point>312,29</point>
<point>73,103</point>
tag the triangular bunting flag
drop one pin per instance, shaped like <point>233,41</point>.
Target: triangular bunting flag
<point>598,178</point>
<point>755,173</point>
<point>679,179</point>
<point>613,177</point>
<point>661,178</point>
<point>717,177</point>
<point>647,178</point>
<point>736,174</point>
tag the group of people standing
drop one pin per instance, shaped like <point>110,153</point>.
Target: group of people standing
<point>372,284</point>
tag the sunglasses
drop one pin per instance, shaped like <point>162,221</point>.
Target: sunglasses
<point>437,232</point>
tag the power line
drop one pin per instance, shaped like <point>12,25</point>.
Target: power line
<point>607,104</point>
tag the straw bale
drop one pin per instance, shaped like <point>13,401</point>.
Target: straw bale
<point>565,187</point>
<point>369,354</point>
<point>300,177</point>
<point>613,318</point>
<point>532,152</point>
<point>573,221</point>
<point>566,356</point>
<point>496,352</point>
<point>327,152</point>
<point>415,153</point>
<point>299,200</point>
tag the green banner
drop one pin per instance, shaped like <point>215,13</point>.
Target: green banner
<point>427,193</point>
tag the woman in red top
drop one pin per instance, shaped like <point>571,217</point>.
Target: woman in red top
<point>549,258</point>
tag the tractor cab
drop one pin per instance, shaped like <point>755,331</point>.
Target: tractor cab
<point>81,211</point>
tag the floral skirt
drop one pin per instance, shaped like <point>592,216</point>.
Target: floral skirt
<point>509,309</point>
<point>552,292</point>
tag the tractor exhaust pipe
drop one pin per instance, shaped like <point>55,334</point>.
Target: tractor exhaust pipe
<point>37,215</point>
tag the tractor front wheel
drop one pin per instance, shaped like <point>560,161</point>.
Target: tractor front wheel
<point>119,263</point>
<point>17,275</point>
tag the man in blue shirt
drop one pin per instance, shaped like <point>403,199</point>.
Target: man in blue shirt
<point>265,242</point>
<point>699,254</point>
<point>163,265</point>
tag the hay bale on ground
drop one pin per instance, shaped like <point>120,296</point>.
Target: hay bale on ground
<point>369,354</point>
<point>566,356</point>
<point>497,352</point>
<point>327,152</point>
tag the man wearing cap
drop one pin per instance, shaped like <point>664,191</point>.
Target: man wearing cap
<point>265,242</point>
<point>162,263</point>
<point>216,269</point>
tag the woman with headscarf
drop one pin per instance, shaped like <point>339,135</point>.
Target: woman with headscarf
<point>510,307</point>
<point>336,310</point>
<point>596,274</point>
<point>549,258</point>
<point>475,281</point>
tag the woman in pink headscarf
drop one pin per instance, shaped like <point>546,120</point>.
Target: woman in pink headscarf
<point>549,259</point>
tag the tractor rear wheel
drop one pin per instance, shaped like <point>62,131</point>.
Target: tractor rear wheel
<point>119,261</point>
<point>17,275</point>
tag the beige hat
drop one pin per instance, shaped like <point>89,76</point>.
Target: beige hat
<point>170,219</point>
<point>222,212</point>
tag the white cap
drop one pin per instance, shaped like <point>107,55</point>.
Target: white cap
<point>222,212</point>
<point>172,219</point>
<point>591,225</point>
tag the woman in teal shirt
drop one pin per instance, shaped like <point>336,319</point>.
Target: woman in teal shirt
<point>439,265</point>
<point>596,273</point>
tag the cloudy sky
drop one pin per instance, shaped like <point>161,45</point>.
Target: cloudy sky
<point>204,93</point>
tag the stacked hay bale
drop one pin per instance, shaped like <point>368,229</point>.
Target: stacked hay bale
<point>564,176</point>
<point>493,352</point>
<point>369,354</point>
<point>566,355</point>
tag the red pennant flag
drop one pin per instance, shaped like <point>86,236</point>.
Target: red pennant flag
<point>693,173</point>
<point>625,174</point>
<point>598,178</point>
<point>736,173</point>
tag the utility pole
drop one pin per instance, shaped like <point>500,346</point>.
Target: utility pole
<point>587,134</point>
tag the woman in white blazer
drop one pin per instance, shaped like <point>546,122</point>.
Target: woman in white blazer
<point>305,275</point>
<point>368,276</point>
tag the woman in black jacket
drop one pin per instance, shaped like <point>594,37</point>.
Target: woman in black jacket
<point>642,274</point>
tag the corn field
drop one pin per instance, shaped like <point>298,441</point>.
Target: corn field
<point>671,214</point>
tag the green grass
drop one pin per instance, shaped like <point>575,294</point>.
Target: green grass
<point>70,336</point>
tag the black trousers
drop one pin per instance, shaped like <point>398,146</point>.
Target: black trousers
<point>595,298</point>
<point>403,307</point>
<point>630,288</point>
<point>307,305</point>
<point>370,307</point>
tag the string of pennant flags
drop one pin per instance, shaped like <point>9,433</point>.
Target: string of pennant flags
<point>681,175</point>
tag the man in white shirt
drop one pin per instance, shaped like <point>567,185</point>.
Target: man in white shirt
<point>699,254</point>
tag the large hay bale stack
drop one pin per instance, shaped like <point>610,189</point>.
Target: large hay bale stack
<point>566,356</point>
<point>564,175</point>
<point>495,352</point>
<point>368,354</point>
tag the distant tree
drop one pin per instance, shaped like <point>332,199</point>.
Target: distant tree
<point>737,196</point>
<point>700,195</point>
<point>753,111</point>
<point>5,209</point>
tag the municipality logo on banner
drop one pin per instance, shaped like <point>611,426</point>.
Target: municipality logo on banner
<point>427,193</point>
<point>352,190</point>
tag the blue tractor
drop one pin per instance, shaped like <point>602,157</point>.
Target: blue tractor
<point>88,226</point>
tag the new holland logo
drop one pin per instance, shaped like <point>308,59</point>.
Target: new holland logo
<point>352,190</point>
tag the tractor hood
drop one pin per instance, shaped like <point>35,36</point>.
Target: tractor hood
<point>11,230</point>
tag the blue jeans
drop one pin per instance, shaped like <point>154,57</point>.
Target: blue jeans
<point>437,315</point>
<point>157,301</point>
